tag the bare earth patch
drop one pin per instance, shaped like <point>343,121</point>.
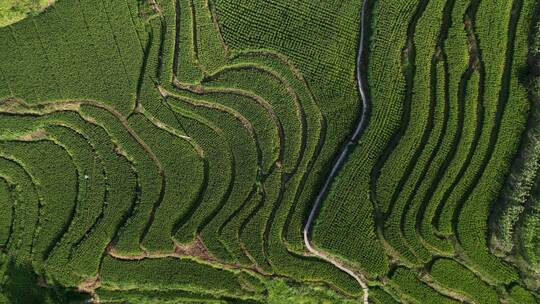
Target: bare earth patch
<point>195,249</point>
<point>90,284</point>
<point>37,134</point>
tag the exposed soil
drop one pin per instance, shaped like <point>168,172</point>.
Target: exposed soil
<point>89,284</point>
<point>195,249</point>
<point>37,134</point>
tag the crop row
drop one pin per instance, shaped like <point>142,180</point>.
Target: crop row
<point>233,219</point>
<point>417,114</point>
<point>137,296</point>
<point>81,262</point>
<point>345,225</point>
<point>234,83</point>
<point>84,247</point>
<point>313,126</point>
<point>150,178</point>
<point>238,133</point>
<point>245,27</point>
<point>415,214</point>
<point>510,121</point>
<point>7,215</point>
<point>334,99</point>
<point>183,170</point>
<point>449,197</point>
<point>422,121</point>
<point>262,122</point>
<point>33,155</point>
<point>519,294</point>
<point>131,195</point>
<point>193,140</point>
<point>455,68</point>
<point>70,132</point>
<point>454,276</point>
<point>167,274</point>
<point>25,210</point>
<point>410,287</point>
<point>18,250</point>
<point>380,296</point>
<point>218,174</point>
<point>98,57</point>
<point>56,198</point>
<point>281,101</point>
<point>186,69</point>
<point>258,87</point>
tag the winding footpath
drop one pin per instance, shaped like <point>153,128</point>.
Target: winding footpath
<point>339,161</point>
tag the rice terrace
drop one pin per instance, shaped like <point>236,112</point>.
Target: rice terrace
<point>270,151</point>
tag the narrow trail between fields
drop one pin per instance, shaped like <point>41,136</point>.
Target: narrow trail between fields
<point>340,159</point>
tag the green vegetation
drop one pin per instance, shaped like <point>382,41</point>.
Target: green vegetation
<point>6,201</point>
<point>280,291</point>
<point>515,222</point>
<point>457,278</point>
<point>12,11</point>
<point>170,151</point>
<point>171,273</point>
<point>409,287</point>
<point>519,294</point>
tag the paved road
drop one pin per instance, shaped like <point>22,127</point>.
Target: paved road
<point>342,156</point>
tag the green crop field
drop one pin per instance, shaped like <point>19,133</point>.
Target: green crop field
<point>270,151</point>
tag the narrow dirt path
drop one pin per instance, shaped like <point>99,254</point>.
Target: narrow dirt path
<point>357,276</point>
<point>340,160</point>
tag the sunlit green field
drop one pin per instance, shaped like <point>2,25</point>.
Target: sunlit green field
<point>171,151</point>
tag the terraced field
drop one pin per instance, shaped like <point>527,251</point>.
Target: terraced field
<point>283,151</point>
